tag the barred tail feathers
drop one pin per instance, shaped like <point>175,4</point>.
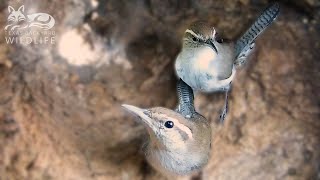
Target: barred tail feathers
<point>186,99</point>
<point>263,21</point>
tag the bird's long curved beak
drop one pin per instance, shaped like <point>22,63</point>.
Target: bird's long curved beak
<point>142,113</point>
<point>212,46</point>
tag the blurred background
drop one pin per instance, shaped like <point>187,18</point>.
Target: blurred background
<point>60,114</point>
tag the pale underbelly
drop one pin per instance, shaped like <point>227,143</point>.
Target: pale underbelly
<point>206,81</point>
<point>202,72</point>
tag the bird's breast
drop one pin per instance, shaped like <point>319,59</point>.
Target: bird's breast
<point>203,57</point>
<point>176,163</point>
<point>205,70</point>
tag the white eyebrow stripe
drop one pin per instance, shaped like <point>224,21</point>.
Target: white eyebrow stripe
<point>214,32</point>
<point>193,33</point>
<point>180,126</point>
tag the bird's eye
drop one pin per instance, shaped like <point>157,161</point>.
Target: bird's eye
<point>219,40</point>
<point>194,39</point>
<point>168,124</point>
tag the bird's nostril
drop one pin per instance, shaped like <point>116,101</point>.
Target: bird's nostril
<point>148,113</point>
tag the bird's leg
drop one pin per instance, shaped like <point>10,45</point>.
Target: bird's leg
<point>225,108</point>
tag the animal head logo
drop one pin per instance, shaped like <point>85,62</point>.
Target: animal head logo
<point>17,19</point>
<point>16,16</point>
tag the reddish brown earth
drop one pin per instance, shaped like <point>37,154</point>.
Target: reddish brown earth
<point>60,114</point>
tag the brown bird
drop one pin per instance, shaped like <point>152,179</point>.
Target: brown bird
<point>180,140</point>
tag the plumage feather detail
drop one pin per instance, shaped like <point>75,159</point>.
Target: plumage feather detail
<point>245,42</point>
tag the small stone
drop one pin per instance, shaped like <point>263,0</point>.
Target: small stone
<point>305,21</point>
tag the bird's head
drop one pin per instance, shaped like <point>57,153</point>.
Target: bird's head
<point>200,34</point>
<point>167,128</point>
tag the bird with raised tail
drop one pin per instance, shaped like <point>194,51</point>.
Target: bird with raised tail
<point>207,63</point>
<point>180,140</point>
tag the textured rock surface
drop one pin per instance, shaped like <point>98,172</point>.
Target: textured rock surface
<point>60,115</point>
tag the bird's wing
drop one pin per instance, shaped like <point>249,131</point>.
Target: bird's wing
<point>186,99</point>
<point>245,44</point>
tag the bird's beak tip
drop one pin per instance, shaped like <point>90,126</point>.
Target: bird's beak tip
<point>125,106</point>
<point>131,108</point>
<point>128,107</point>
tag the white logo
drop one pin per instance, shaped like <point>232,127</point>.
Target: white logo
<point>18,20</point>
<point>29,28</point>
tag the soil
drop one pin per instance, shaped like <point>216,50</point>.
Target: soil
<point>60,104</point>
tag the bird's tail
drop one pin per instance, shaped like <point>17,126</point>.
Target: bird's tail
<point>186,99</point>
<point>265,19</point>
